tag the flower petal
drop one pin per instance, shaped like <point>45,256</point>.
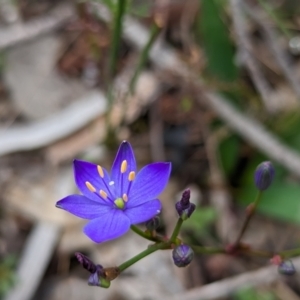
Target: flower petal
<point>85,171</point>
<point>149,183</point>
<point>121,181</point>
<point>107,227</point>
<point>83,207</point>
<point>144,212</point>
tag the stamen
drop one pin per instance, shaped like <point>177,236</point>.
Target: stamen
<point>124,166</point>
<point>111,183</point>
<point>100,171</point>
<point>131,176</point>
<point>125,197</point>
<point>90,187</point>
<point>103,194</point>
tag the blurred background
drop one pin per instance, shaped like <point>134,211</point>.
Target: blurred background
<point>211,85</point>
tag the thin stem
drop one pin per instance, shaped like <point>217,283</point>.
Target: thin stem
<point>155,30</point>
<point>257,253</point>
<point>143,254</point>
<point>116,36</point>
<point>176,230</point>
<point>250,214</point>
<point>144,234</point>
<point>289,253</point>
<point>277,20</point>
<point>207,250</point>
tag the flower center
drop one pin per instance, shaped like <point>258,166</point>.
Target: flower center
<point>109,193</point>
<point>119,202</point>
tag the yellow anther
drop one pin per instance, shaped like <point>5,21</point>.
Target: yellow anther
<point>124,166</point>
<point>100,171</point>
<point>103,194</point>
<point>131,176</point>
<point>125,197</point>
<point>90,186</point>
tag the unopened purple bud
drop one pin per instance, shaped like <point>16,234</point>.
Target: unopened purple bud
<point>182,255</point>
<point>98,278</point>
<point>86,262</point>
<point>286,268</point>
<point>184,207</point>
<point>185,199</point>
<point>153,223</point>
<point>264,175</point>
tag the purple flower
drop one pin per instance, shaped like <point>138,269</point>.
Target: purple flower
<point>112,202</point>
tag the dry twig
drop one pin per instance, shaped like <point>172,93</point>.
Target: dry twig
<point>53,128</point>
<point>228,286</point>
<point>20,32</point>
<point>279,54</point>
<point>245,47</point>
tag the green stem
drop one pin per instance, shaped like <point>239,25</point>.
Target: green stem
<point>145,235</point>
<point>289,253</point>
<point>207,250</point>
<point>248,218</point>
<point>277,20</point>
<point>176,230</point>
<point>257,253</point>
<point>143,254</point>
<point>155,30</point>
<point>116,36</point>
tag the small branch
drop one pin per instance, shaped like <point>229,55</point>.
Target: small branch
<point>55,127</point>
<point>245,47</point>
<point>249,216</point>
<point>116,36</point>
<point>20,32</point>
<point>227,287</point>
<point>156,133</point>
<point>279,54</point>
<point>34,260</point>
<point>155,30</point>
<point>255,133</point>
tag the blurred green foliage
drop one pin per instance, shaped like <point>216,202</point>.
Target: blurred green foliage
<point>200,220</point>
<point>7,274</point>
<point>213,35</point>
<point>253,294</point>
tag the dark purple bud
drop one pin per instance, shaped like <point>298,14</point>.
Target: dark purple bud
<point>86,262</point>
<point>286,268</point>
<point>264,175</point>
<point>185,199</point>
<point>98,278</point>
<point>184,207</point>
<point>153,223</point>
<point>182,255</point>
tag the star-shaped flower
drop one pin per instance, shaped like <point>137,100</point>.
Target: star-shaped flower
<point>112,202</point>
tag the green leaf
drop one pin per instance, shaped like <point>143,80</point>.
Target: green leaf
<point>252,294</point>
<point>281,201</point>
<point>201,218</point>
<point>213,34</point>
<point>228,153</point>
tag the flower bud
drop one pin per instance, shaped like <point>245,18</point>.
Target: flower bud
<point>184,207</point>
<point>98,279</point>
<point>182,255</point>
<point>86,262</point>
<point>153,223</point>
<point>264,175</point>
<point>286,268</point>
<point>185,199</point>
